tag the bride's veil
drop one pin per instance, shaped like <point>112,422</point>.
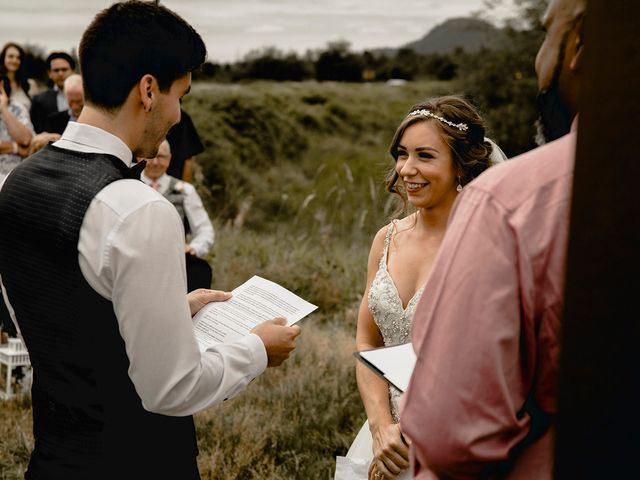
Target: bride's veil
<point>497,155</point>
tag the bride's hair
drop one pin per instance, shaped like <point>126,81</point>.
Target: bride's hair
<point>462,129</point>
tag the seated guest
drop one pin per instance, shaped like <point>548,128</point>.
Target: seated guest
<point>74,95</point>
<point>196,221</point>
<point>59,66</point>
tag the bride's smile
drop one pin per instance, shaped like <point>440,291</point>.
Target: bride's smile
<point>413,187</point>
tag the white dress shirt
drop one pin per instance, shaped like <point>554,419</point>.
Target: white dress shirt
<point>202,234</point>
<point>61,100</point>
<point>131,252</point>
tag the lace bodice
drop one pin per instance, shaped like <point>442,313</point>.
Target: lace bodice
<point>385,306</point>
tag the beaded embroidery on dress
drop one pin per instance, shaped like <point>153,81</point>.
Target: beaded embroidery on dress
<point>385,305</point>
<point>394,322</point>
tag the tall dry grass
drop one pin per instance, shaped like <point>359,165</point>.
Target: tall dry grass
<point>16,439</point>
<point>292,421</point>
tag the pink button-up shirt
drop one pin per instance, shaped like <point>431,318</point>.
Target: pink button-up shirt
<point>486,331</point>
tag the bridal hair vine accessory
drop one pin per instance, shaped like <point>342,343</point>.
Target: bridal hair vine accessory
<point>426,113</point>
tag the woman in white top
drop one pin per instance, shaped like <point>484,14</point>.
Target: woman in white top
<point>14,75</point>
<point>439,147</point>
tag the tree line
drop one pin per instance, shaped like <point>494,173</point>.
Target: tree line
<point>334,63</point>
<point>502,81</point>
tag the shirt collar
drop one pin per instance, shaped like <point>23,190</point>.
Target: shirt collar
<point>81,137</point>
<point>163,180</point>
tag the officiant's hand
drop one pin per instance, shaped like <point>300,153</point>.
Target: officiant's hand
<point>200,297</point>
<point>390,452</point>
<point>278,339</point>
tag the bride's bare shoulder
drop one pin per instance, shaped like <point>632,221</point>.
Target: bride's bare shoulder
<point>378,240</point>
<point>406,223</point>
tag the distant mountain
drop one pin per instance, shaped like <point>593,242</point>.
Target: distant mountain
<point>470,34</point>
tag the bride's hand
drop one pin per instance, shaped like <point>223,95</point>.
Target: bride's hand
<point>200,297</point>
<point>390,452</point>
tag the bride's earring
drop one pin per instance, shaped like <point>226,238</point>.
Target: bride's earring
<point>459,187</point>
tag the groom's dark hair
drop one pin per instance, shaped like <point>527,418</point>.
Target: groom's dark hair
<point>129,40</point>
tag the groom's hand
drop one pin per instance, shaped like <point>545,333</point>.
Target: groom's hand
<point>278,339</point>
<point>200,297</point>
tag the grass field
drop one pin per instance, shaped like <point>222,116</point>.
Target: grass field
<point>293,176</point>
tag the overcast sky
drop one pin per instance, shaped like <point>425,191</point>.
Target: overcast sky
<point>232,28</point>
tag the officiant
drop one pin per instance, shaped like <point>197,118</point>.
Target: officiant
<point>482,401</point>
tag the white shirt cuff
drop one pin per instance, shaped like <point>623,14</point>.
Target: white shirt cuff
<point>258,352</point>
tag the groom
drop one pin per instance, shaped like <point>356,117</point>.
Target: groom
<point>482,398</point>
<point>92,261</point>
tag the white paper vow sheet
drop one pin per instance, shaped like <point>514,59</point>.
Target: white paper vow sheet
<point>253,302</point>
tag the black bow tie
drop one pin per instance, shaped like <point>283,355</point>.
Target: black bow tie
<point>137,169</point>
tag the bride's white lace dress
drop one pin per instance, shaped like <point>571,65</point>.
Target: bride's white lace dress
<point>394,322</point>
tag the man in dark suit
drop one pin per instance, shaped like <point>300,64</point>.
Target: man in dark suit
<point>185,145</point>
<point>74,94</point>
<point>59,66</point>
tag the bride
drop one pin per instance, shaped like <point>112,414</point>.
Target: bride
<point>439,147</point>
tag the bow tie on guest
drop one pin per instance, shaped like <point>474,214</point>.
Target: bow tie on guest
<point>155,185</point>
<point>137,169</point>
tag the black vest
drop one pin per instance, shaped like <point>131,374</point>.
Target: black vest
<point>176,196</point>
<point>88,419</point>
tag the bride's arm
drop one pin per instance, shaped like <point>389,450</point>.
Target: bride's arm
<point>390,452</point>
